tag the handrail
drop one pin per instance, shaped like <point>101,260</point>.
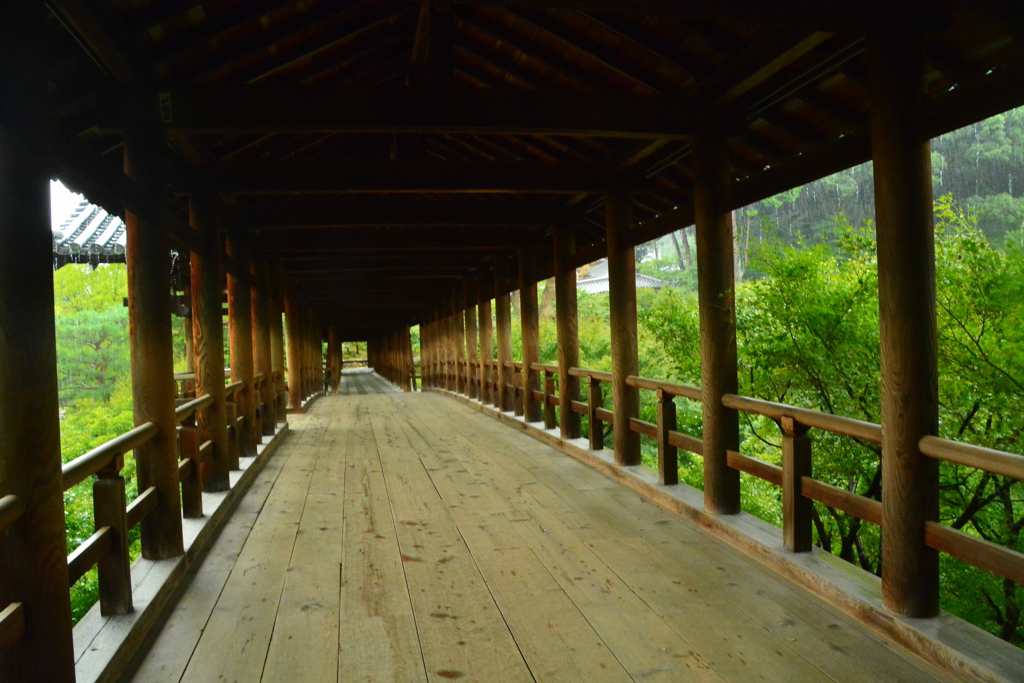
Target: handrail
<point>12,625</point>
<point>593,374</point>
<point>681,390</point>
<point>230,389</point>
<point>185,411</point>
<point>844,426</point>
<point>542,367</point>
<point>92,462</point>
<point>988,459</point>
<point>11,509</point>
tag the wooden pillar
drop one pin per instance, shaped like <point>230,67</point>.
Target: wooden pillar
<point>334,357</point>
<point>459,324</point>
<point>277,342</point>
<point>486,338</point>
<point>503,323</point>
<point>261,307</point>
<point>472,348</point>
<point>568,335</point>
<point>241,342</point>
<point>151,345</point>
<point>622,311</point>
<point>530,324</point>
<point>906,302</point>
<point>716,299</point>
<point>33,555</point>
<point>292,315</point>
<point>207,325</point>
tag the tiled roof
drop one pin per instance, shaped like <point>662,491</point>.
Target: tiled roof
<point>89,235</point>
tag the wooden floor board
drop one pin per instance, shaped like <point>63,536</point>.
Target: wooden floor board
<point>404,537</point>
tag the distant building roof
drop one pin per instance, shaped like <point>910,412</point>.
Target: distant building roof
<point>89,235</point>
<point>593,278</point>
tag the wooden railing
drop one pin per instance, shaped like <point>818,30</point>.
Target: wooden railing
<point>12,616</point>
<point>107,549</point>
<point>799,488</point>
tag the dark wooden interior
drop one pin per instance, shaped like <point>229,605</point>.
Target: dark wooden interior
<point>368,166</point>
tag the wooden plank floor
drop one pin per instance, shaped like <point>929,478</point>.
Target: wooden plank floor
<point>405,537</point>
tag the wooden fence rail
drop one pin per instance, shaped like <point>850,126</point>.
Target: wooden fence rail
<point>794,476</point>
<point>107,548</point>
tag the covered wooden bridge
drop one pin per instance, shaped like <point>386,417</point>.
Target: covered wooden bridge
<point>365,167</point>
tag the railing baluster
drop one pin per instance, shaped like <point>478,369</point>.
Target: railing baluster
<point>549,408</point>
<point>231,410</point>
<point>668,456</point>
<point>192,484</point>
<point>595,400</point>
<point>796,508</point>
<point>109,510</point>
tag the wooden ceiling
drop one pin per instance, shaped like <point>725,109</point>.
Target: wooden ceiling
<point>382,150</point>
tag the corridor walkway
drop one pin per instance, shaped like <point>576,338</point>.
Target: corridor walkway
<point>406,537</point>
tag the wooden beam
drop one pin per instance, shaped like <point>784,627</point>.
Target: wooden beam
<point>287,243</point>
<point>292,314</point>
<point>929,15</point>
<point>240,336</point>
<point>279,109</point>
<point>405,176</point>
<point>369,210</point>
<point>907,323</point>
<point>33,552</point>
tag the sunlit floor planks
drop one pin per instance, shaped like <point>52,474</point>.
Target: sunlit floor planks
<point>405,537</point>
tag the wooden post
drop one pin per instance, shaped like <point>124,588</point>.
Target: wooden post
<point>796,508</point>
<point>292,318</point>
<point>668,456</point>
<point>472,347</point>
<point>334,357</point>
<point>530,323</point>
<point>151,347</point>
<point>483,307</point>
<point>33,554</point>
<point>277,343</point>
<point>114,574</point>
<point>261,306</point>
<point>503,322</point>
<point>549,407</point>
<point>622,311</point>
<point>906,302</point>
<point>241,342</point>
<point>716,300</point>
<point>207,316</point>
<point>568,336</point>
<point>191,485</point>
<point>459,325</point>
<point>595,399</point>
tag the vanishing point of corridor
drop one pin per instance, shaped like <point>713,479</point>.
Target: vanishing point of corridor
<point>406,537</point>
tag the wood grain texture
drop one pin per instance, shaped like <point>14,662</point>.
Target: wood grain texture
<point>503,331</point>
<point>240,343</point>
<point>567,321</point>
<point>907,323</point>
<point>208,331</point>
<point>261,345</point>
<point>469,551</point>
<point>33,560</point>
<point>486,332</point>
<point>716,298</point>
<point>292,314</point>
<point>151,346</point>
<point>622,314</point>
<point>530,320</point>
